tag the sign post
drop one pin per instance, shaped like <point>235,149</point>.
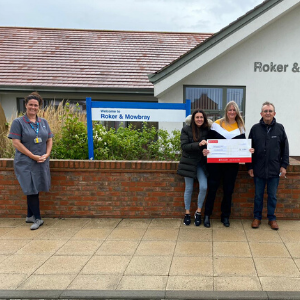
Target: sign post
<point>133,112</point>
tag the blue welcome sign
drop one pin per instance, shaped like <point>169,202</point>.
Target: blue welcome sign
<point>133,112</point>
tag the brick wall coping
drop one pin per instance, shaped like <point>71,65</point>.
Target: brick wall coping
<point>122,166</point>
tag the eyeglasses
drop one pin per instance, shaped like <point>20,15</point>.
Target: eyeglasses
<point>267,111</point>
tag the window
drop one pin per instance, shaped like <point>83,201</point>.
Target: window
<point>48,101</point>
<point>213,99</point>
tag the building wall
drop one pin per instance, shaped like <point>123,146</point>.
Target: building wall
<point>8,100</point>
<point>277,43</point>
<point>131,189</point>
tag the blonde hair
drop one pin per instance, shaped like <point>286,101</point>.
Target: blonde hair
<point>238,117</point>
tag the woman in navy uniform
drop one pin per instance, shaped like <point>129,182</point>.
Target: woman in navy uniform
<point>32,139</point>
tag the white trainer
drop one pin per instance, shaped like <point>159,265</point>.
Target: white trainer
<point>30,219</point>
<point>37,224</point>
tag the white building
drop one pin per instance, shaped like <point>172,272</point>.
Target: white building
<point>253,60</point>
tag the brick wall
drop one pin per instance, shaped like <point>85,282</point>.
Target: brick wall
<point>131,189</point>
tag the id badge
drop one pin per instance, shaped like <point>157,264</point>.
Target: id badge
<point>37,140</point>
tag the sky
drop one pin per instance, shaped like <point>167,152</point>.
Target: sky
<point>204,16</point>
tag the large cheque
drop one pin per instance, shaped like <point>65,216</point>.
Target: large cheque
<point>229,151</point>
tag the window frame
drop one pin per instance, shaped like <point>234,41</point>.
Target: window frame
<point>224,88</point>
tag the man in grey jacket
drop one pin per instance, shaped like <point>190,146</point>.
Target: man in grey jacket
<point>269,162</point>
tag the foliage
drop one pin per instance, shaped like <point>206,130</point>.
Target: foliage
<point>68,124</point>
<point>71,142</point>
<point>134,144</point>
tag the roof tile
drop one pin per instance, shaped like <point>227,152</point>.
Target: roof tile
<point>88,58</point>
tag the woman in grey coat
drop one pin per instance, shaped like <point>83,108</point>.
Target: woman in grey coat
<point>32,139</point>
<point>192,163</point>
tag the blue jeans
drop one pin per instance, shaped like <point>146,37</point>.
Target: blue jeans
<point>272,184</point>
<point>189,186</point>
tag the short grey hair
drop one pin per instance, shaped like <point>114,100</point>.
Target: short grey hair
<point>267,103</point>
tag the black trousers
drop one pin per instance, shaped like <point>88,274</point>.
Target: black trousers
<point>33,206</point>
<point>217,172</point>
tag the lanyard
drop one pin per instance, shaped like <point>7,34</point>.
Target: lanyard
<point>37,126</point>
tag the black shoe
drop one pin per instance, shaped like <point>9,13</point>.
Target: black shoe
<point>187,219</point>
<point>206,222</point>
<point>197,218</point>
<point>225,222</point>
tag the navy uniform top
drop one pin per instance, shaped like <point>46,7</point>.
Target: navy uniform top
<point>33,177</point>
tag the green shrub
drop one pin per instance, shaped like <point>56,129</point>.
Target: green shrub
<point>134,144</point>
<point>71,142</point>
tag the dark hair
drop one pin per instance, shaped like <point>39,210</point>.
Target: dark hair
<point>195,128</point>
<point>36,96</point>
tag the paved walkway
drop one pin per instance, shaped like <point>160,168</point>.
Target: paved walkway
<point>149,258</point>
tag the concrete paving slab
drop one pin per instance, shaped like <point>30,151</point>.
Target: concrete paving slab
<point>143,283</point>
<point>106,265</point>
<point>280,284</point>
<point>5,230</point>
<point>127,234</point>
<point>135,223</point>
<point>193,249</point>
<point>269,250</point>
<point>165,223</point>
<point>149,265</point>
<point>234,266</point>
<point>57,233</point>
<point>95,282</point>
<point>117,248</point>
<point>22,264</point>
<point>192,234</point>
<point>22,233</point>
<point>273,267</point>
<point>47,282</point>
<point>41,247</point>
<point>156,234</point>
<point>92,234</point>
<point>70,223</point>
<point>229,235</point>
<point>62,265</point>
<point>202,266</point>
<point>160,248</point>
<point>11,281</point>
<point>266,236</point>
<point>290,236</point>
<point>102,223</point>
<point>190,283</point>
<point>7,247</point>
<point>237,284</point>
<point>294,249</point>
<point>5,222</point>
<point>286,225</point>
<point>79,247</point>
<point>237,249</point>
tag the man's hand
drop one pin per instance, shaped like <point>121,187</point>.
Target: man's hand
<point>250,172</point>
